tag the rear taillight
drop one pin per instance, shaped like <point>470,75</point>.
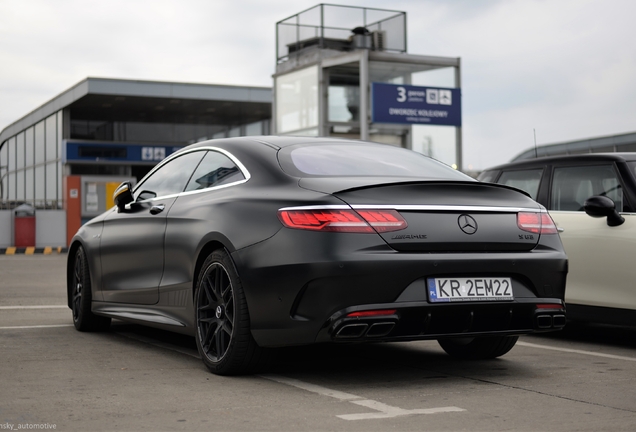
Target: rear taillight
<point>549,306</point>
<point>343,220</point>
<point>538,223</point>
<point>372,313</point>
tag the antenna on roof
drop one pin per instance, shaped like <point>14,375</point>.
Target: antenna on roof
<point>535,143</point>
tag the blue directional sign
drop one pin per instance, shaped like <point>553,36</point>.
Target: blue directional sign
<point>90,151</point>
<point>408,104</point>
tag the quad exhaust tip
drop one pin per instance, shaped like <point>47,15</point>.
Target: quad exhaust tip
<point>358,330</point>
<point>351,331</point>
<point>546,321</point>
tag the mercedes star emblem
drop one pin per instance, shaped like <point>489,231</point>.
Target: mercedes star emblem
<point>467,224</point>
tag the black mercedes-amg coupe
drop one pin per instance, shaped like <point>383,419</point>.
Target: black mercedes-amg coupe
<point>257,242</point>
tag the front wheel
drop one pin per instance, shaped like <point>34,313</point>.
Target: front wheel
<point>478,348</point>
<point>223,335</point>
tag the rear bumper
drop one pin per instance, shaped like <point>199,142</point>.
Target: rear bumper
<point>300,285</point>
<point>416,321</point>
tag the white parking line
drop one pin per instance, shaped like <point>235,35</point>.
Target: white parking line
<point>388,411</point>
<point>385,411</point>
<point>312,388</point>
<point>35,326</point>
<point>575,351</point>
<point>34,307</point>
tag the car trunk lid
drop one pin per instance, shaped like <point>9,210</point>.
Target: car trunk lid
<point>449,216</point>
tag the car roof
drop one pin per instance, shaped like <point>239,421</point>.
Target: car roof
<point>588,157</point>
<point>277,142</point>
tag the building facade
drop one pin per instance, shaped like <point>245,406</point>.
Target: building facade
<point>65,158</point>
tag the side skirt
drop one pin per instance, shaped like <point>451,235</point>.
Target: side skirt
<point>143,315</point>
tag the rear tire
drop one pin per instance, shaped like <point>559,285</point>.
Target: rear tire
<point>82,296</point>
<point>478,348</point>
<point>223,335</point>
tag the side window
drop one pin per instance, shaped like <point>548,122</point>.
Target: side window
<point>571,186</point>
<point>215,169</point>
<point>527,180</point>
<point>487,176</point>
<point>170,178</point>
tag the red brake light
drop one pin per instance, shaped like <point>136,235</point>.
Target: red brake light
<point>383,220</point>
<point>538,223</point>
<point>372,313</point>
<point>333,220</point>
<point>549,306</point>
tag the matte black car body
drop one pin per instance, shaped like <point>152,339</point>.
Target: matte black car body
<point>302,286</point>
<point>600,244</point>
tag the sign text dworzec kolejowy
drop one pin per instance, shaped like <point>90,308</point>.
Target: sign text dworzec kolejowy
<point>407,104</point>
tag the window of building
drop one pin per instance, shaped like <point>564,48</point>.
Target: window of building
<point>27,175</point>
<point>297,102</point>
<point>39,143</point>
<point>40,180</point>
<point>11,186</point>
<point>3,171</point>
<point>50,125</point>
<point>11,154</point>
<point>20,149</point>
<point>51,184</point>
<point>29,181</point>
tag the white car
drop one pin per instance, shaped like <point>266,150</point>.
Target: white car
<point>592,200</point>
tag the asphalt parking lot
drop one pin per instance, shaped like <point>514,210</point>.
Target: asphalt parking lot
<point>135,378</point>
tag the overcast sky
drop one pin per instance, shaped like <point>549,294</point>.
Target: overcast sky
<point>566,68</point>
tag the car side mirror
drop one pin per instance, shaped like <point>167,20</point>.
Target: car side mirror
<point>123,195</point>
<point>602,206</point>
<point>146,195</point>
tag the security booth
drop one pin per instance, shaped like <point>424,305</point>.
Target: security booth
<point>344,71</point>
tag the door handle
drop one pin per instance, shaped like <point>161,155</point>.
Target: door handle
<point>559,229</point>
<point>156,209</point>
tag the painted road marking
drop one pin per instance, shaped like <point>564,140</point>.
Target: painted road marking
<point>312,388</point>
<point>48,250</point>
<point>388,411</point>
<point>35,307</point>
<point>575,351</point>
<point>384,410</point>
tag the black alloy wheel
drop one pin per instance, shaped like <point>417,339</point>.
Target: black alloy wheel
<point>81,297</point>
<point>223,335</point>
<point>78,284</point>
<point>215,312</point>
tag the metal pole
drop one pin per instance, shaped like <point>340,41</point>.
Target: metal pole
<point>323,101</point>
<point>274,125</point>
<point>364,94</point>
<point>458,130</point>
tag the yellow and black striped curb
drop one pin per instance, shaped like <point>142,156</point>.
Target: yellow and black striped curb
<point>32,250</point>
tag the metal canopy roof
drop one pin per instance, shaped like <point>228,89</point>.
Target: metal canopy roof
<point>153,101</point>
<point>617,143</point>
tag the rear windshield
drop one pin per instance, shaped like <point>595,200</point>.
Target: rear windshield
<point>355,160</point>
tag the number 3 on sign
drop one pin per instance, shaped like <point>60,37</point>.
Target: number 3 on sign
<point>401,94</point>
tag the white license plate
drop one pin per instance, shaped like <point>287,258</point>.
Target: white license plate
<point>469,289</point>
